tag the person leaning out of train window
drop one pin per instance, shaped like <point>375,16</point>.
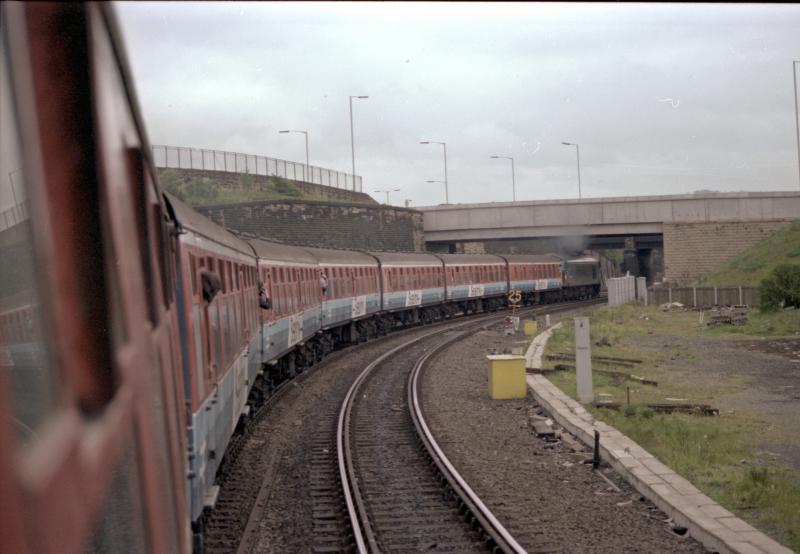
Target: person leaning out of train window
<point>263,301</point>
<point>323,284</point>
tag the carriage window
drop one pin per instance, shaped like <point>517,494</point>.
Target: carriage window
<point>192,272</point>
<point>23,350</point>
<point>199,349</point>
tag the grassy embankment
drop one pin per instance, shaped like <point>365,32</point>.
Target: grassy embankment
<point>751,266</point>
<point>203,191</point>
<point>728,456</point>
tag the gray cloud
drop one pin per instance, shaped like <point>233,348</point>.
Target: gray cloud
<point>661,98</point>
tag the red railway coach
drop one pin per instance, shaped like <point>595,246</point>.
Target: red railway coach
<point>290,278</point>
<point>218,288</point>
<point>91,457</point>
<point>475,281</point>
<point>413,286</point>
<point>350,289</point>
<point>538,277</point>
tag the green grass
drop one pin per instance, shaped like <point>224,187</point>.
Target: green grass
<point>781,323</point>
<point>751,266</point>
<point>723,456</point>
<point>204,191</point>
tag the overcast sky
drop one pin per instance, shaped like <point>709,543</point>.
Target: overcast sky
<point>662,99</point>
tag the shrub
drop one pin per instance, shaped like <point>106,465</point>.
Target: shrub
<point>282,186</point>
<point>781,288</point>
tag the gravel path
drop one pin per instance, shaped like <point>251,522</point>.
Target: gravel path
<point>547,498</point>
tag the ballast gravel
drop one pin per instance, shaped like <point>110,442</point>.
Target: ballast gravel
<point>540,489</point>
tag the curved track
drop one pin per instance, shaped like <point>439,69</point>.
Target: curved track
<point>386,453</point>
<point>281,491</point>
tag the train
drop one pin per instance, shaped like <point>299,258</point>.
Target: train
<point>136,335</point>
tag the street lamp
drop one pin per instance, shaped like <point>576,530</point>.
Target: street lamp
<point>578,152</point>
<point>306,168</point>
<point>352,142</point>
<point>444,145</point>
<point>387,191</point>
<point>796,118</point>
<point>513,179</point>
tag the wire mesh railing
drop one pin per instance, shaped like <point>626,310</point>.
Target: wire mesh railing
<point>14,215</point>
<point>180,157</point>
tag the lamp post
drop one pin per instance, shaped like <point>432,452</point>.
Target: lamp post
<point>513,179</point>
<point>352,141</point>
<point>578,152</point>
<point>306,168</point>
<point>796,118</point>
<point>387,191</point>
<point>444,145</point>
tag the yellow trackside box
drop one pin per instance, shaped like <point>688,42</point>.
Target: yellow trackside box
<point>507,377</point>
<point>531,327</point>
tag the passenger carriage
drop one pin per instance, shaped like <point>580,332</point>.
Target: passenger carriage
<point>411,281</point>
<point>349,287</point>
<point>537,277</point>
<point>219,288</point>
<point>475,281</point>
<point>290,277</point>
<point>100,464</point>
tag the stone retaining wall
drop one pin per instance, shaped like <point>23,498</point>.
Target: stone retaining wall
<point>692,249</point>
<point>324,224</point>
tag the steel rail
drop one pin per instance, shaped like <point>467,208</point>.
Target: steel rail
<point>486,519</point>
<point>363,533</point>
<point>356,507</point>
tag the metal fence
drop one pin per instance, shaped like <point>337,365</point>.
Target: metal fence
<point>181,157</point>
<point>704,297</point>
<point>14,215</point>
<point>621,290</point>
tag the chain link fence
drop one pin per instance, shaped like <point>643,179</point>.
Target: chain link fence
<point>180,157</point>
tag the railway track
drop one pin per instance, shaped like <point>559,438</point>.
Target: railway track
<point>255,479</point>
<point>386,453</point>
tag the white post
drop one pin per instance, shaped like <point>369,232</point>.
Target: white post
<point>694,297</point>
<point>583,360</point>
<point>670,295</point>
<point>641,289</point>
<point>547,321</point>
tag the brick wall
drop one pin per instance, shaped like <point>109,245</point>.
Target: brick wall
<point>243,181</point>
<point>691,249</point>
<point>325,224</point>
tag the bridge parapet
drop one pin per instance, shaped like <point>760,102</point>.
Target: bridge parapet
<point>599,216</point>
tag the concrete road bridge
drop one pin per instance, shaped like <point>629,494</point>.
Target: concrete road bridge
<point>677,237</point>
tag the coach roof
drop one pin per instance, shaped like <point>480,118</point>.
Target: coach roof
<point>277,252</point>
<point>533,258</point>
<point>394,259</point>
<point>201,225</point>
<point>326,256</point>
<point>471,259</point>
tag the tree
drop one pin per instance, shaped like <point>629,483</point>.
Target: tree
<point>781,288</point>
